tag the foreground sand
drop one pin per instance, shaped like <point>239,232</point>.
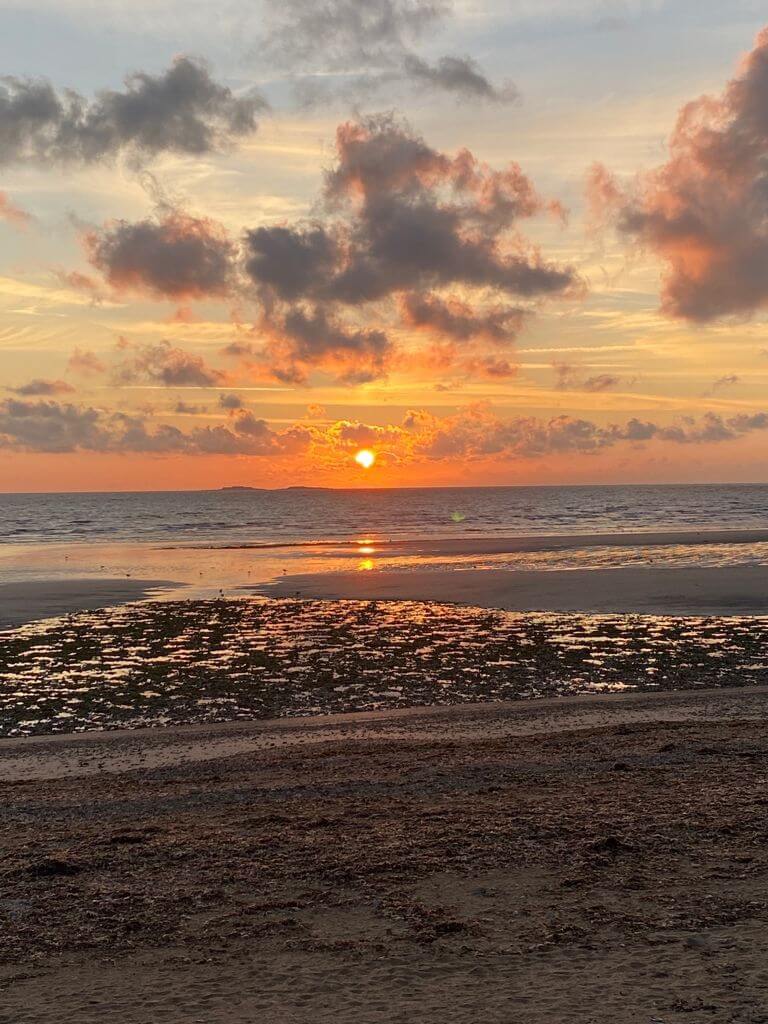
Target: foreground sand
<point>595,860</point>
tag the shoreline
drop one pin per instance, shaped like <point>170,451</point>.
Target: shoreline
<point>525,543</point>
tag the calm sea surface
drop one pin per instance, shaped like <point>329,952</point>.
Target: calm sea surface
<point>296,515</point>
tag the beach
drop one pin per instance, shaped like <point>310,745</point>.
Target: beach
<point>737,590</point>
<point>598,859</point>
<point>670,571</point>
<point>385,779</point>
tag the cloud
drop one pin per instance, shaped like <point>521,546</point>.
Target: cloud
<point>407,218</point>
<point>41,387</point>
<point>705,212</point>
<point>367,46</point>
<point>189,409</point>
<point>84,362</point>
<point>183,110</point>
<point>477,433</point>
<point>175,256</point>
<point>458,75</point>
<point>166,365</point>
<point>601,382</point>
<point>303,340</point>
<point>452,318</point>
<point>84,284</point>
<point>726,381</point>
<point>291,262</point>
<point>399,223</point>
<point>230,402</point>
<point>13,214</point>
<point>346,34</point>
<point>473,433</point>
<point>489,367</point>
<point>568,377</point>
<point>48,426</point>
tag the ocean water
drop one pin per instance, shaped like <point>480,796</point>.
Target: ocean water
<point>297,515</point>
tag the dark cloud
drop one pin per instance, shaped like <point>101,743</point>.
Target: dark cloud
<point>601,382</point>
<point>303,340</point>
<point>728,380</point>
<point>343,35</point>
<point>182,110</point>
<point>176,256</point>
<point>230,402</point>
<point>48,426</point>
<point>453,318</point>
<point>407,218</point>
<point>568,377</point>
<point>459,75</point>
<point>43,388</point>
<point>489,367</point>
<point>367,45</point>
<point>400,220</point>
<point>705,212</point>
<point>239,349</point>
<point>292,262</point>
<point>189,409</point>
<point>166,365</point>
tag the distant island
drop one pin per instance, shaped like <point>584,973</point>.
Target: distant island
<point>295,487</point>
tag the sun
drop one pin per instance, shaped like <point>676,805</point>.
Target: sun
<point>365,458</point>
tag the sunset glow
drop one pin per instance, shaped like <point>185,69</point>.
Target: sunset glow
<point>418,265</point>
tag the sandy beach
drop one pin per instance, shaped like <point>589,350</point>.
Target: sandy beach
<point>736,590</point>
<point>593,853</point>
<point>43,599</point>
<point>594,860</point>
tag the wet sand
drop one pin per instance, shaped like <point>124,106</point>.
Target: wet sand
<point>594,860</point>
<point>182,662</point>
<point>42,599</point>
<point>468,545</point>
<point>736,590</point>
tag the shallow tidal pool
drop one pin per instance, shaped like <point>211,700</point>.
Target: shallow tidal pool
<point>164,663</point>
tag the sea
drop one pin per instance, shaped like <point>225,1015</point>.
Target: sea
<point>218,541</point>
<point>300,515</point>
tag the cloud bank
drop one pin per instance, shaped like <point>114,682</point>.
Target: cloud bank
<point>473,433</point>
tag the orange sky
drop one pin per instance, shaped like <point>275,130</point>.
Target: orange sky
<point>490,286</point>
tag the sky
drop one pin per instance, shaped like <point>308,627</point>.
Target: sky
<point>490,242</point>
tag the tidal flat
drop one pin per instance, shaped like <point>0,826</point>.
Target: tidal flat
<point>183,662</point>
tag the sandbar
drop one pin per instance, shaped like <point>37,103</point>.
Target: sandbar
<point>734,590</point>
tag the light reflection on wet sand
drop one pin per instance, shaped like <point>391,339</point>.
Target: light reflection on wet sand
<point>208,572</point>
<point>178,662</point>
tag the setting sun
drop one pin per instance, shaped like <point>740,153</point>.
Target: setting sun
<point>365,458</point>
